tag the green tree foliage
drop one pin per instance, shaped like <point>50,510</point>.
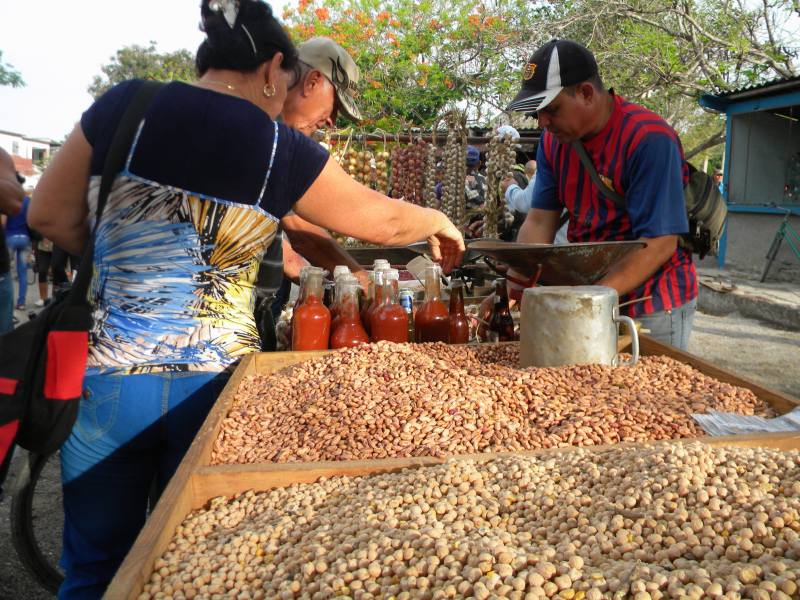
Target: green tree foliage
<point>665,53</point>
<point>9,75</point>
<point>418,58</point>
<point>144,62</point>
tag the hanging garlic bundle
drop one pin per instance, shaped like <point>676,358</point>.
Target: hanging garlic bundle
<point>500,160</point>
<point>455,170</point>
<point>382,171</point>
<point>430,178</point>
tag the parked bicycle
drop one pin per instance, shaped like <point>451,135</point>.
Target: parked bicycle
<point>785,232</point>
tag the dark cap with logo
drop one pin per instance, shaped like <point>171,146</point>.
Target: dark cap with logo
<point>554,66</point>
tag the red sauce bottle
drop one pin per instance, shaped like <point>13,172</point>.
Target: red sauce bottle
<point>459,326</point>
<point>432,321</point>
<point>389,320</point>
<point>348,330</point>
<point>312,320</point>
<point>300,296</point>
<point>377,280</point>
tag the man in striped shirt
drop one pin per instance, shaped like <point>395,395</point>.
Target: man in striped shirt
<point>636,153</point>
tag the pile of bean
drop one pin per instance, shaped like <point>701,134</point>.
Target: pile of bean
<point>666,521</point>
<point>400,400</point>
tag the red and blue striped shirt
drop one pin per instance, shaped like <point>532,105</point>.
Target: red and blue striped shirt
<point>641,157</point>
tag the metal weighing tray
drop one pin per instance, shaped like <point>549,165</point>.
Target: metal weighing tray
<point>570,264</point>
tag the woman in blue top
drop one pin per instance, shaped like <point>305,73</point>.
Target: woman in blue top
<point>208,177</point>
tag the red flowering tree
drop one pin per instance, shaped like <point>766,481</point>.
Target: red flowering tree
<point>418,58</point>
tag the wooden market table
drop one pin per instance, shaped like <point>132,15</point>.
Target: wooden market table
<point>197,481</point>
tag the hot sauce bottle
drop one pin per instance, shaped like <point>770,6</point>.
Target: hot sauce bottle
<point>458,324</point>
<point>389,320</point>
<point>501,323</point>
<point>340,272</point>
<point>432,321</point>
<point>347,329</point>
<point>300,295</point>
<point>312,319</point>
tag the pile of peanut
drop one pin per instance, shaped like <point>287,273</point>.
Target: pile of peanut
<point>400,400</point>
<point>665,521</point>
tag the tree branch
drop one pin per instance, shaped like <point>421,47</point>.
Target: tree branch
<point>714,140</point>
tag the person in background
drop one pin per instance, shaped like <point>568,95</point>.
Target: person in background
<point>19,244</point>
<point>718,180</point>
<point>519,198</point>
<point>206,181</point>
<point>11,200</point>
<point>636,152</point>
<point>475,184</point>
<point>44,260</point>
<point>65,266</point>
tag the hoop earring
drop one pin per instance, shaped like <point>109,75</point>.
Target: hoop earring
<point>269,90</point>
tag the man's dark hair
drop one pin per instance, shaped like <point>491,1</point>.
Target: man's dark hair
<point>233,48</point>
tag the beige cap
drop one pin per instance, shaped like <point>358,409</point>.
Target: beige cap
<point>335,63</point>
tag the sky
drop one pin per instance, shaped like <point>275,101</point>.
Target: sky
<point>59,46</point>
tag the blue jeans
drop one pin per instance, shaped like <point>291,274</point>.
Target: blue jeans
<point>6,303</point>
<point>132,431</point>
<point>20,246</point>
<point>671,327</point>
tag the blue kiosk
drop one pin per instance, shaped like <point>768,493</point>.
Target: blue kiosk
<point>761,174</point>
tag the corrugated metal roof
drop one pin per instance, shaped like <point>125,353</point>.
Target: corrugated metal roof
<point>776,86</point>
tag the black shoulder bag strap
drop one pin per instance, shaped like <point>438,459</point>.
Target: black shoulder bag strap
<point>612,195</point>
<point>115,160</point>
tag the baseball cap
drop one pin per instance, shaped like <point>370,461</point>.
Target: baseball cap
<point>554,66</point>
<point>473,155</point>
<point>334,62</point>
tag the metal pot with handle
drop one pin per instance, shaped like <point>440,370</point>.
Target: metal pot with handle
<point>572,325</point>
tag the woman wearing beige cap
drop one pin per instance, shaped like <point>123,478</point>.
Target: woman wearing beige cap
<point>206,180</point>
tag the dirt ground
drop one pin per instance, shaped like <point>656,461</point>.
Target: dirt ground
<point>767,355</point>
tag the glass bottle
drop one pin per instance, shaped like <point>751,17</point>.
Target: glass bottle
<point>501,323</point>
<point>341,282</point>
<point>459,325</point>
<point>389,319</point>
<point>378,280</point>
<point>407,302</point>
<point>300,295</point>
<point>340,270</point>
<point>432,321</point>
<point>348,330</point>
<point>369,297</point>
<point>312,319</point>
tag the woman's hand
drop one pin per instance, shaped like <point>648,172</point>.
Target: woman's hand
<point>447,246</point>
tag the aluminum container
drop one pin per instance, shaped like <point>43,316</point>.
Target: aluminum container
<point>572,325</point>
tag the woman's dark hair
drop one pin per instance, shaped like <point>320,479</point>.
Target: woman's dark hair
<point>255,38</point>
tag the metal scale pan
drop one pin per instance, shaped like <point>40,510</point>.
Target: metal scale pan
<point>569,264</point>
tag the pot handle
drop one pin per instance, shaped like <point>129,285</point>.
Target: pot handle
<point>634,340</point>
